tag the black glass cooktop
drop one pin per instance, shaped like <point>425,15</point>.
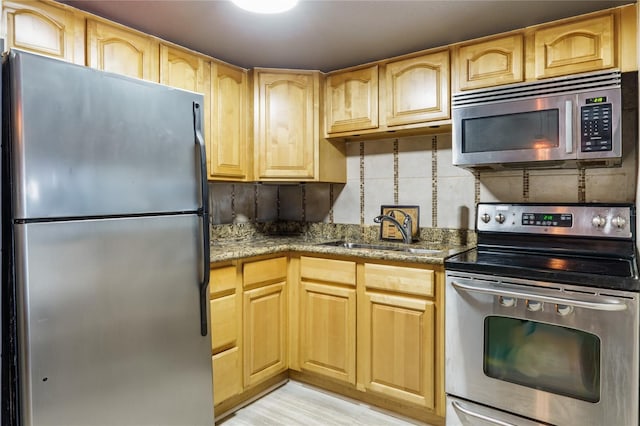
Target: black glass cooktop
<point>604,272</point>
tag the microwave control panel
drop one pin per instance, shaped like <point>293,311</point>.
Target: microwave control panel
<point>595,125</point>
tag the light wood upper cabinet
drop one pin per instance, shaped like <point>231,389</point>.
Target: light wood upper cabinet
<point>229,143</point>
<point>490,63</point>
<point>45,29</point>
<point>189,71</point>
<point>182,69</point>
<point>417,89</point>
<point>351,100</point>
<point>287,144</point>
<point>328,317</point>
<point>286,124</point>
<point>122,51</point>
<point>580,46</point>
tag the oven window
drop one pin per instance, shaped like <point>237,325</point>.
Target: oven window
<point>525,130</point>
<point>542,356</point>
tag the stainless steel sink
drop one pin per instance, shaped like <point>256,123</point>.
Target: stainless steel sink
<point>413,250</point>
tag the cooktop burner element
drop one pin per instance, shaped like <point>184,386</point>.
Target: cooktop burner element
<point>586,244</point>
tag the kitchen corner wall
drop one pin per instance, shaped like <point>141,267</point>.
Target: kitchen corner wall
<point>415,171</point>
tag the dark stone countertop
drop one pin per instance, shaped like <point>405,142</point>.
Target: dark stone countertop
<point>229,249</point>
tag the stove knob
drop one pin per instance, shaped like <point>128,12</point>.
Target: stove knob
<point>534,306</point>
<point>599,221</point>
<point>619,222</point>
<point>564,309</point>
<point>485,217</point>
<point>507,302</point>
<point>500,218</point>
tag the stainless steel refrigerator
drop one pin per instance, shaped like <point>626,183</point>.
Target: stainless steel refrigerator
<point>105,249</point>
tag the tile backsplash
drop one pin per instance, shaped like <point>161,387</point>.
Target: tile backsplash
<point>418,171</point>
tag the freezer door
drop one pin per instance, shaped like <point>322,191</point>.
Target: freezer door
<point>109,323</point>
<point>89,143</point>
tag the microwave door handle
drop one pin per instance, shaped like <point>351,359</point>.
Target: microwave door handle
<point>575,301</point>
<point>568,126</point>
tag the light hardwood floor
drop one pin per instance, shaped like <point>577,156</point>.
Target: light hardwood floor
<point>296,403</point>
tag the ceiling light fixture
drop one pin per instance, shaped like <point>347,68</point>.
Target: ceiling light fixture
<point>265,6</point>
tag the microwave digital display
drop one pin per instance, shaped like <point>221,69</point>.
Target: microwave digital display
<point>563,220</point>
<point>598,100</point>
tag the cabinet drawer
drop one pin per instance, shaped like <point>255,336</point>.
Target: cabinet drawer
<point>224,322</point>
<point>335,271</point>
<point>227,374</point>
<point>400,279</point>
<point>265,271</point>
<point>222,279</point>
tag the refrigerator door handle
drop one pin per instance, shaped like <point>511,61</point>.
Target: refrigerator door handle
<point>204,285</point>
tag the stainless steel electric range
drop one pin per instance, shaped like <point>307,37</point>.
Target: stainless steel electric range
<point>542,318</point>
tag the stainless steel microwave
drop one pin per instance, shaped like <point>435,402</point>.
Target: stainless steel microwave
<point>560,122</point>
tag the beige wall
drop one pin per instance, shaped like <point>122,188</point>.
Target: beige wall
<point>416,171</point>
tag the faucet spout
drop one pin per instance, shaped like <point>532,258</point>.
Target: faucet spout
<point>405,227</point>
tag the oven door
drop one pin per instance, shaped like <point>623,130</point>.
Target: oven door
<point>554,353</point>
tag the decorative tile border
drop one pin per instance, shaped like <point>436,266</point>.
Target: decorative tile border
<point>525,185</point>
<point>331,201</point>
<point>361,183</point>
<point>233,203</point>
<point>476,187</point>
<point>256,196</point>
<point>582,185</point>
<point>303,197</point>
<point>434,182</point>
<point>396,172</point>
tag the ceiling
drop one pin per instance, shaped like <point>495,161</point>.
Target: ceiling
<point>329,34</point>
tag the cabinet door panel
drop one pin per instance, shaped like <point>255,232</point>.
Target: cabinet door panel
<point>227,374</point>
<point>45,29</point>
<point>491,63</point>
<point>181,69</point>
<point>586,45</point>
<point>117,50</point>
<point>264,340</point>
<point>352,100</point>
<point>400,345</point>
<point>229,145</point>
<point>328,331</point>
<point>225,314</point>
<point>418,89</point>
<point>286,129</point>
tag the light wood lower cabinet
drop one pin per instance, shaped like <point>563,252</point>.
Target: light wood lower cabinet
<point>397,328</point>
<point>328,318</point>
<point>399,347</point>
<point>264,320</point>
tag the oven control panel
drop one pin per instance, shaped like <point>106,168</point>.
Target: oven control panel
<point>590,220</point>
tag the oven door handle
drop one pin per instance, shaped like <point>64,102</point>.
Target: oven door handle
<point>611,305</point>
<point>479,416</point>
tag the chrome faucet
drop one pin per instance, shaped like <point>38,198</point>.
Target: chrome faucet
<point>405,227</point>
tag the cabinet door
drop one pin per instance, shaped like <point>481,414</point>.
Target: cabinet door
<point>399,347</point>
<point>417,89</point>
<point>228,146</point>
<point>126,52</point>
<point>328,332</point>
<point>491,63</point>
<point>286,125</point>
<point>265,345</point>
<point>351,100</point>
<point>580,46</point>
<point>182,69</point>
<point>45,29</point>
<point>227,374</point>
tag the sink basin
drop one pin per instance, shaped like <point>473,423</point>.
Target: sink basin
<point>413,250</point>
